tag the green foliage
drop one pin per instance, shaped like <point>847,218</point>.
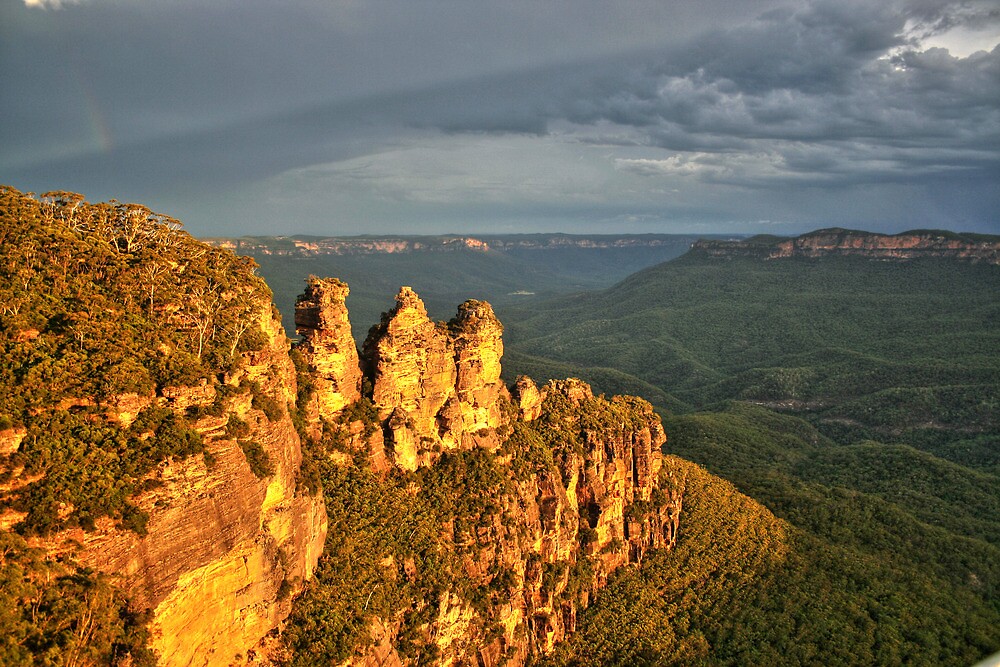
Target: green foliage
<point>55,613</point>
<point>362,410</point>
<point>891,486</point>
<point>99,301</point>
<point>258,458</point>
<point>894,351</point>
<point>878,499</point>
<point>399,541</point>
<point>529,455</point>
<point>370,519</point>
<point>92,467</point>
<point>743,588</point>
<point>270,407</point>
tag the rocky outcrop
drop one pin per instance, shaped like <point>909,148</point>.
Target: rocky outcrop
<point>552,540</point>
<point>585,491</point>
<point>845,242</point>
<point>224,548</point>
<point>435,386</point>
<point>328,348</point>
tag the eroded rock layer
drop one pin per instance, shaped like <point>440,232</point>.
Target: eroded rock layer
<point>328,347</point>
<point>515,510</point>
<point>436,386</point>
<point>225,546</point>
<point>847,242</point>
<point>146,440</point>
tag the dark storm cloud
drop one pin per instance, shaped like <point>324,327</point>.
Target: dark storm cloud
<point>197,107</point>
<point>829,76</point>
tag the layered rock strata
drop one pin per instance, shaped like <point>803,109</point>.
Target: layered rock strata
<point>225,549</point>
<point>846,242</point>
<point>436,386</point>
<point>598,500</point>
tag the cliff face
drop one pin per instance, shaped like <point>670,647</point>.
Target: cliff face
<point>328,348</point>
<point>144,425</point>
<point>225,548</point>
<point>843,242</point>
<point>527,503</point>
<point>436,387</point>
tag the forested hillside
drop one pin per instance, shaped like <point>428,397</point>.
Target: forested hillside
<point>100,304</point>
<point>896,351</point>
<point>144,441</point>
<point>855,399</point>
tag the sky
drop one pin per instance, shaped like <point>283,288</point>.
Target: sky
<point>344,117</point>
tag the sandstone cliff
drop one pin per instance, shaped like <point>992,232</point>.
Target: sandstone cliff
<point>436,387</point>
<point>224,548</point>
<point>844,242</point>
<point>498,517</point>
<point>328,348</point>
<point>153,441</point>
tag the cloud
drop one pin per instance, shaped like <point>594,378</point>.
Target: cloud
<point>442,113</point>
<point>49,4</point>
<point>834,81</point>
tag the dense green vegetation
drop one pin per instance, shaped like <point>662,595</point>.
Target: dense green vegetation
<point>392,549</point>
<point>891,351</point>
<point>404,546</point>
<point>57,613</point>
<point>851,579</point>
<point>99,302</point>
<point>889,482</point>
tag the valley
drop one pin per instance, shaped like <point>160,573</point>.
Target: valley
<point>731,457</point>
<point>505,270</point>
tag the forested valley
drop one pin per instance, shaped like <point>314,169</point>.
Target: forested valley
<point>831,463</point>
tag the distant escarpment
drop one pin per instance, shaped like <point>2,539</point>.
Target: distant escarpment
<point>470,524</point>
<point>145,435</point>
<point>312,246</point>
<point>845,242</point>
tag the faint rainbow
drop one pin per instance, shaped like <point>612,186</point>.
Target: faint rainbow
<point>100,137</point>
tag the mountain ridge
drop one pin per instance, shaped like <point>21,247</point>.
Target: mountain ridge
<point>311,245</point>
<point>837,241</point>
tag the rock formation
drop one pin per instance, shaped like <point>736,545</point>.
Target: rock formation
<point>328,347</point>
<point>154,442</point>
<point>845,242</point>
<point>584,491</point>
<point>435,386</point>
<point>224,548</point>
<point>153,430</point>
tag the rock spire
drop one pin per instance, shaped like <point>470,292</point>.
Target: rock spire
<point>328,347</point>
